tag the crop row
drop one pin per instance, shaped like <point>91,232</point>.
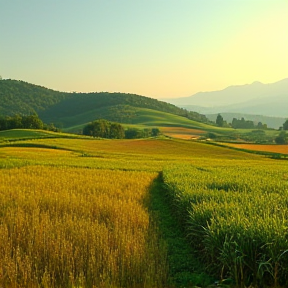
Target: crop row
<point>236,218</point>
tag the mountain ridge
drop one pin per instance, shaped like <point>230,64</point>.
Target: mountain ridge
<point>256,98</point>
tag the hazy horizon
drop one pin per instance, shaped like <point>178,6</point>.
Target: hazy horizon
<point>159,49</point>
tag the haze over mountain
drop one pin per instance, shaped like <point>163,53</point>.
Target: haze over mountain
<point>256,98</point>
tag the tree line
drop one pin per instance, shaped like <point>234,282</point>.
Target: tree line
<point>24,122</point>
<point>282,138</point>
<point>112,130</point>
<point>239,123</point>
<point>53,106</point>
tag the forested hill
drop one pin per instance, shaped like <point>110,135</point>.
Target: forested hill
<point>53,106</point>
<point>24,98</point>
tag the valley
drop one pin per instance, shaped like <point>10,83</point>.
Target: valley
<point>198,205</point>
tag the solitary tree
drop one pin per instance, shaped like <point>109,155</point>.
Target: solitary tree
<point>219,120</point>
<point>155,132</point>
<point>285,125</point>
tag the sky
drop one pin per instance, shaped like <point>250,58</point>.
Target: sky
<point>155,48</point>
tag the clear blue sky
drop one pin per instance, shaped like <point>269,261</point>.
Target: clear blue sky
<point>154,48</point>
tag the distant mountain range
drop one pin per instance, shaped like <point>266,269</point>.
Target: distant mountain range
<point>256,98</point>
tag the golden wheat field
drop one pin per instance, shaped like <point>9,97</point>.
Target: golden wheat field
<point>74,227</point>
<point>266,148</point>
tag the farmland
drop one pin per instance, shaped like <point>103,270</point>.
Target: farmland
<point>236,217</point>
<point>182,133</point>
<point>283,149</point>
<point>83,212</point>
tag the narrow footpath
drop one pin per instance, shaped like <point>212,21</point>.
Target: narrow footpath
<point>184,268</point>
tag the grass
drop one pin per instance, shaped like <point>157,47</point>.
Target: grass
<point>184,268</point>
<point>23,134</point>
<point>130,115</point>
<point>142,118</point>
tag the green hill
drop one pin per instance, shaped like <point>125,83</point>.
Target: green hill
<point>130,115</point>
<point>71,109</point>
<point>25,134</point>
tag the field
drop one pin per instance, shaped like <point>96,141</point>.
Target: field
<point>236,217</point>
<point>283,149</point>
<point>182,133</point>
<point>82,212</point>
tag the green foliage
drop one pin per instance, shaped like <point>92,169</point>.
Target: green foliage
<point>211,135</point>
<point>285,125</point>
<point>135,133</point>
<point>246,124</point>
<point>237,221</point>
<point>104,129</point>
<point>282,138</point>
<point>18,97</point>
<point>257,136</point>
<point>24,98</point>
<point>155,132</point>
<point>219,120</point>
<point>18,121</point>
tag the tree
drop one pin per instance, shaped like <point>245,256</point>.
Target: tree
<point>282,138</point>
<point>15,122</point>
<point>116,131</point>
<point>104,129</point>
<point>259,125</point>
<point>133,133</point>
<point>285,125</point>
<point>219,120</point>
<point>155,132</point>
<point>32,122</point>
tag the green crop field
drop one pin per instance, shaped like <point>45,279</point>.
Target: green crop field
<point>83,212</point>
<point>236,217</point>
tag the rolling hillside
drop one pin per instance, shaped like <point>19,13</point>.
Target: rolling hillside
<point>132,115</point>
<point>71,109</point>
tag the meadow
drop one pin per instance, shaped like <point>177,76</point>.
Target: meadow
<point>83,212</point>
